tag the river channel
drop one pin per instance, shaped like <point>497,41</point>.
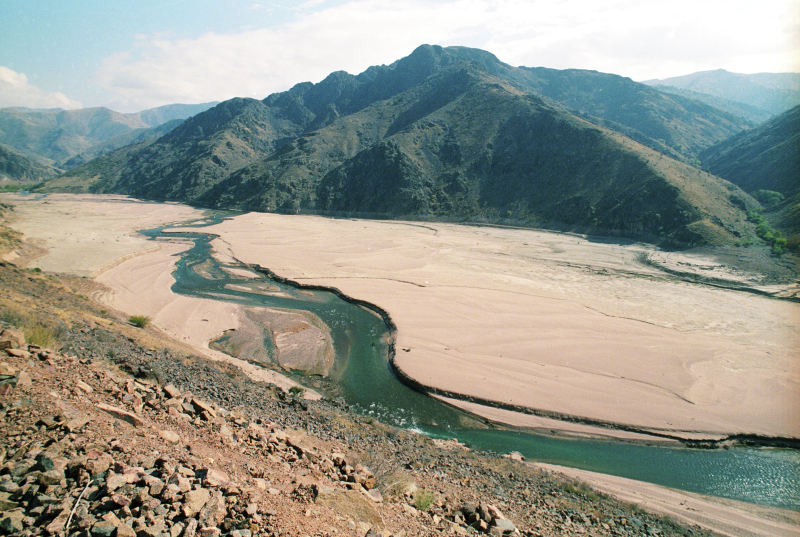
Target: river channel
<point>364,379</point>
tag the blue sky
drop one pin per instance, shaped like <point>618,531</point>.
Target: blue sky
<point>134,55</point>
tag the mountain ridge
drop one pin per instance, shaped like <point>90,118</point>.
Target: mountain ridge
<point>760,95</point>
<point>432,134</point>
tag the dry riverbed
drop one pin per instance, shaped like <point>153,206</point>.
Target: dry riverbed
<point>596,330</point>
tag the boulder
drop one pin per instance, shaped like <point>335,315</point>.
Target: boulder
<point>24,379</point>
<point>123,530</point>
<point>171,391</point>
<point>11,522</point>
<point>83,386</point>
<point>194,500</point>
<point>169,436</point>
<point>214,478</point>
<point>11,339</point>
<point>103,528</point>
<point>18,353</point>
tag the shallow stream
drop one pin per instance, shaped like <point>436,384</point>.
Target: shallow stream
<point>363,378</point>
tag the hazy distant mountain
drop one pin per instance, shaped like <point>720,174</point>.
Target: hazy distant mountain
<point>170,112</point>
<point>56,135</point>
<point>19,169</point>
<point>448,133</point>
<point>757,97</point>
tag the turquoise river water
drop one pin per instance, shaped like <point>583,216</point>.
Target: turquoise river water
<point>363,378</point>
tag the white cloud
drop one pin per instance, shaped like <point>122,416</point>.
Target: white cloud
<point>652,39</point>
<point>15,90</point>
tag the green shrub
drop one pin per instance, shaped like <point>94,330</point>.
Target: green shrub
<point>139,321</point>
<point>297,391</point>
<point>768,198</point>
<point>773,237</point>
<point>423,499</point>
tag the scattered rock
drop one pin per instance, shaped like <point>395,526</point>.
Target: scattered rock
<point>124,415</point>
<point>169,436</point>
<point>194,500</point>
<point>11,339</point>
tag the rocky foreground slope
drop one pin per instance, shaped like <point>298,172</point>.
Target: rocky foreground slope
<point>111,430</point>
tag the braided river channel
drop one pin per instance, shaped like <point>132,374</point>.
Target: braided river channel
<point>363,378</point>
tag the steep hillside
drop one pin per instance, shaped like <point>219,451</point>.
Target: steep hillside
<point>764,158</point>
<point>448,133</point>
<point>56,134</point>
<point>19,169</point>
<point>676,126</point>
<point>134,136</point>
<point>186,162</point>
<point>769,93</point>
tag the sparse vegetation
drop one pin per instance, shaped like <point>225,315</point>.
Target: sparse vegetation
<point>581,488</point>
<point>41,335</point>
<point>297,391</point>
<point>423,499</point>
<point>768,198</point>
<point>16,187</point>
<point>765,232</point>
<point>139,321</point>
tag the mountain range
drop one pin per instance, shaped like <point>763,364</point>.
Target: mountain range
<point>58,139</point>
<point>757,97</point>
<point>451,134</point>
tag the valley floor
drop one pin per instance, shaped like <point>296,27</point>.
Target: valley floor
<point>508,309</point>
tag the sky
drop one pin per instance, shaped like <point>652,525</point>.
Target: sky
<point>132,55</point>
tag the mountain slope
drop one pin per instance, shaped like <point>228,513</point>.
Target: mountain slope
<point>671,124</point>
<point>675,126</point>
<point>497,154</point>
<point>766,157</point>
<point>19,169</point>
<point>769,93</point>
<point>433,135</point>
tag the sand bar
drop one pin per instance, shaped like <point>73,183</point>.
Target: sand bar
<point>90,235</point>
<point>85,234</point>
<point>723,516</point>
<point>550,321</point>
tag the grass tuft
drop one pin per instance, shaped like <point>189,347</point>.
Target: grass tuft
<point>423,499</point>
<point>139,321</point>
<point>44,336</point>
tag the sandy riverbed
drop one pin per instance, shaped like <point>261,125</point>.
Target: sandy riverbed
<point>552,322</point>
<point>547,321</point>
<point>538,319</point>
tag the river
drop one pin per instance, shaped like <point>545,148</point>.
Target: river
<point>364,379</point>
